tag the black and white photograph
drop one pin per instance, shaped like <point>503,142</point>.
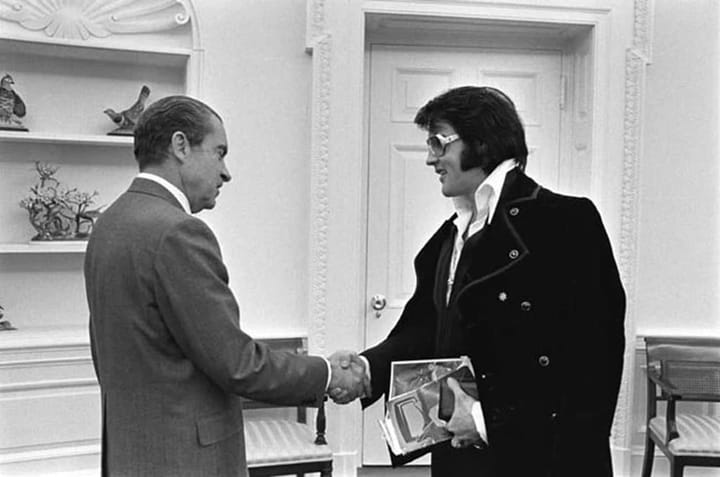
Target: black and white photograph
<point>360,238</point>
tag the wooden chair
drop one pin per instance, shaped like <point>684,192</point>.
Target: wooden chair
<point>683,369</point>
<point>276,446</point>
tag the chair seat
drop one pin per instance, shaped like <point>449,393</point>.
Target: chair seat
<point>699,435</point>
<point>279,442</point>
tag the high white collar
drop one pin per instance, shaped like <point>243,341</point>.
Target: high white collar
<point>177,193</point>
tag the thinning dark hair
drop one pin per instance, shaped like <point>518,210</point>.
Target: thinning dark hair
<point>486,120</point>
<point>162,119</point>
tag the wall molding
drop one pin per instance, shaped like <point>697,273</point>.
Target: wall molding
<point>48,384</point>
<point>320,176</point>
<point>37,362</point>
<point>314,23</point>
<point>636,61</point>
<point>97,18</point>
<point>89,447</point>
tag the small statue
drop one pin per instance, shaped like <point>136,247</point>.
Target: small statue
<point>12,107</point>
<point>56,212</point>
<point>5,324</point>
<point>126,119</point>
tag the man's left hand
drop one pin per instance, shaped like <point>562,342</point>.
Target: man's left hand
<point>461,423</point>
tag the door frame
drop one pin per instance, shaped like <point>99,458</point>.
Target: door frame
<point>399,41</point>
<point>335,37</point>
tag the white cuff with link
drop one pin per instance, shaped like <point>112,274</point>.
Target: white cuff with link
<point>479,419</point>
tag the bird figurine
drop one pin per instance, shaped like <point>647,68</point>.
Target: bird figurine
<point>12,107</point>
<point>126,119</point>
<point>5,324</point>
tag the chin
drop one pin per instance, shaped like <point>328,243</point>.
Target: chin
<point>447,193</point>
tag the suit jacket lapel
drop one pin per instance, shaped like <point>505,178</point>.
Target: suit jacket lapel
<point>503,246</point>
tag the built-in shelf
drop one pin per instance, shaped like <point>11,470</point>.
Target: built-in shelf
<point>61,138</point>
<point>74,246</point>
<point>46,337</point>
<point>105,52</point>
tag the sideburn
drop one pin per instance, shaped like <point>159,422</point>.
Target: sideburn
<point>476,156</point>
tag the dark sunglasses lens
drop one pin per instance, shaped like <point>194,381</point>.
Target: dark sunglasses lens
<point>435,145</point>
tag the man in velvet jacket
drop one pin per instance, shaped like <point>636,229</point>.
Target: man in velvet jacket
<point>523,281</point>
<point>168,351</point>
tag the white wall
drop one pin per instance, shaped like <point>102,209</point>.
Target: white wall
<point>678,242</point>
<point>257,75</point>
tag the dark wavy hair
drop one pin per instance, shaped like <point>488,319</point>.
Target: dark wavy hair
<point>486,120</point>
<point>162,119</point>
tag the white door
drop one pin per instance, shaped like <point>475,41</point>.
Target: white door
<point>405,205</point>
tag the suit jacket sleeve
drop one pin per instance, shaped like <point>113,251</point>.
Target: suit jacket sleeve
<point>191,283</point>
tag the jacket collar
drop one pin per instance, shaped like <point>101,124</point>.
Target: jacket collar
<point>504,246</point>
<point>518,188</point>
<point>145,186</point>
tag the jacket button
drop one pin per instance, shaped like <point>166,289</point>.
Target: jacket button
<point>544,361</point>
<point>514,211</point>
<point>514,254</point>
<point>525,306</point>
<point>502,296</point>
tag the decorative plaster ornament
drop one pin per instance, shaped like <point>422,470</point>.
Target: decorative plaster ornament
<point>81,19</point>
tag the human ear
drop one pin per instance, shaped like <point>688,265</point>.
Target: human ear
<point>179,145</point>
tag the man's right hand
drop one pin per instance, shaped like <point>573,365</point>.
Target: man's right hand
<point>349,379</point>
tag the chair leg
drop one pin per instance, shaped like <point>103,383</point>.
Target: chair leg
<point>676,470</point>
<point>648,457</point>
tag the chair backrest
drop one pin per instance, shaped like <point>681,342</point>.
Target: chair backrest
<point>299,346</point>
<point>691,365</point>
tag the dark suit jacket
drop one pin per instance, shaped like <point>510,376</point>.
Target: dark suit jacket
<point>541,315</point>
<point>170,357</point>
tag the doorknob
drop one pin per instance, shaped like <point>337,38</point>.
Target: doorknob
<point>378,303</point>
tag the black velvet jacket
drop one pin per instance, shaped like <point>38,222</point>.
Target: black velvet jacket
<point>541,313</point>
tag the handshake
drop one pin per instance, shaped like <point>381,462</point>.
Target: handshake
<point>349,379</point>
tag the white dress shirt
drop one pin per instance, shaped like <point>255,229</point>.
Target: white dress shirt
<point>483,209</point>
<point>177,193</point>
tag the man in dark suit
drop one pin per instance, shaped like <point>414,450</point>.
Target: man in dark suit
<point>168,351</point>
<point>523,281</point>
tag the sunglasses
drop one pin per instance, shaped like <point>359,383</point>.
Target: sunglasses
<point>436,144</point>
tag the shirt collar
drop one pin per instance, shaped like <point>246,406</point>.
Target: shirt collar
<point>486,196</point>
<point>177,193</point>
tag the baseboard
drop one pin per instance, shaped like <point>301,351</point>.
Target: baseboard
<point>345,464</point>
<point>67,461</point>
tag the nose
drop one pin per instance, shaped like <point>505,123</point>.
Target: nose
<point>225,174</point>
<point>431,160</point>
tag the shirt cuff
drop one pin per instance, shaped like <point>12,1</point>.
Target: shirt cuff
<point>479,419</point>
<point>329,368</point>
<point>367,366</point>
